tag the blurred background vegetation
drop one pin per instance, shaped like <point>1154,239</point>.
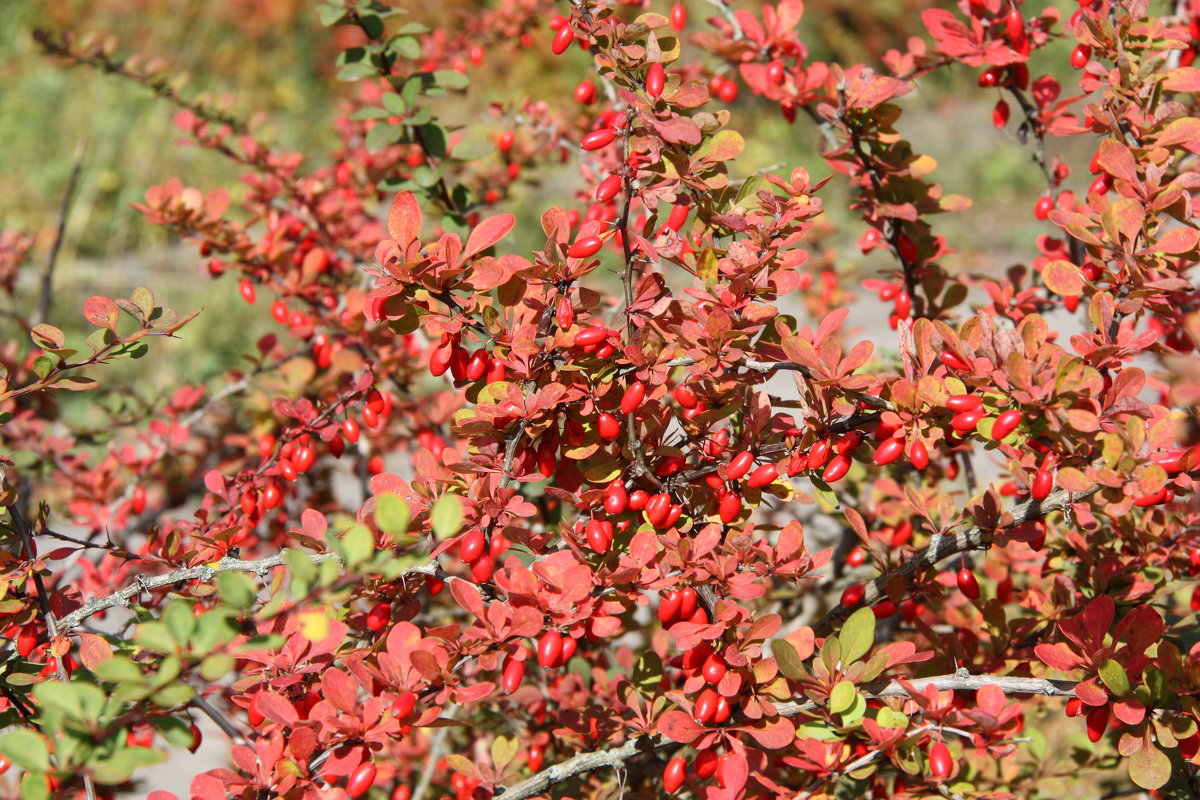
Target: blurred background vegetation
<point>270,62</point>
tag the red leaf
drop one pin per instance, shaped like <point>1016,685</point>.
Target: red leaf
<point>339,689</point>
<point>101,312</point>
<point>93,649</point>
<point>276,707</point>
<point>487,233</point>
<point>1059,656</point>
<point>679,727</point>
<point>1116,159</point>
<point>206,786</point>
<point>1129,711</point>
<point>775,734</point>
<point>404,220</point>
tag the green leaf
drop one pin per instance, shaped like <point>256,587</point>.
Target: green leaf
<point>355,72</point>
<point>119,669</point>
<point>1149,767</point>
<point>647,673</point>
<point>155,636</point>
<point>842,697</point>
<point>392,515</point>
<point>446,516</point>
<point>825,494</point>
<point>381,135</point>
<point>407,47</point>
<point>236,589</point>
<point>216,666</point>
<point>120,766</point>
<point>451,79</point>
<point>42,366</point>
<point>358,544</point>
<point>504,749</point>
<point>857,635</point>
<point>34,787</point>
<point>180,620</point>
<point>434,139</point>
<point>26,749</point>
<point>787,659</point>
<point>1114,677</point>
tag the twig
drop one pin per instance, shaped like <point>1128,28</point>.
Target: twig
<point>43,306</point>
<point>220,719</point>
<point>947,545</point>
<point>615,757</point>
<point>204,573</point>
<point>437,748</point>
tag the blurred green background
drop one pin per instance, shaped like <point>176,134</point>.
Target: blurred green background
<point>270,61</point>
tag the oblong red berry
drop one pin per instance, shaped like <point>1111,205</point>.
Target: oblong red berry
<point>837,468</point>
<point>1005,424</point>
<point>762,476</point>
<point>940,761</point>
<point>852,595</point>
<point>593,335</point>
<point>967,584</point>
<point>633,397</point>
<point>739,465</point>
<point>668,607</point>
<point>472,545</point>
<point>918,454</point>
<point>562,40</point>
<point>656,78</point>
<point>598,139</point>
<point>608,188</point>
<point>1043,482</point>
<point>967,421</point>
<point>730,507</point>
<point>616,499</point>
<point>964,402</point>
<point>888,451</point>
<point>608,426</point>
<point>550,648</point>
<point>585,247</point>
<point>673,774</point>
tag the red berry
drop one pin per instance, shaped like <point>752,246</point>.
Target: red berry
<point>739,465</point>
<point>775,71</point>
<point>585,247</point>
<point>1043,482</point>
<point>967,584</point>
<point>361,779</point>
<point>1097,722</point>
<point>1043,207</point>
<point>763,476</point>
<point>678,16</point>
<point>472,545</point>
<point>379,616</point>
<point>730,507</point>
<point>673,774</point>
<point>918,454</point>
<point>940,761</point>
<point>1080,56</point>
<point>1000,114</point>
<point>562,40</point>
<point>633,397</point>
<point>687,602</point>
<point>608,426</point>
<point>550,649</point>
<point>246,288</point>
<point>585,93</point>
<point>350,430</point>
<point>590,336</point>
<point>197,738</point>
<point>964,402</point>
<point>655,79</point>
<point>685,396</point>
<point>1005,424</point>
<point>668,608</point>
<point>706,706</point>
<point>852,595</point>
<point>837,468</point>
<point>967,421</point>
<point>598,139</point>
<point>608,188</point>
<point>280,312</point>
<point>616,500</point>
<point>706,764</point>
<point>954,361</point>
<point>888,451</point>
<point>714,669</point>
<point>138,501</point>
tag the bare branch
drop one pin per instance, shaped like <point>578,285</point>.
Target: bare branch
<point>47,290</point>
<point>615,757</point>
<point>945,546</point>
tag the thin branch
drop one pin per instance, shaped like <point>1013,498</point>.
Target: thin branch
<point>945,546</point>
<point>47,290</point>
<point>617,756</point>
<point>204,573</point>
<point>437,749</point>
<point>220,719</point>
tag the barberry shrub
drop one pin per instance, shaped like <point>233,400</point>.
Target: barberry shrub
<point>500,513</point>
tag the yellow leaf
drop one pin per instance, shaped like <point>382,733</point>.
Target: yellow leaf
<point>314,625</point>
